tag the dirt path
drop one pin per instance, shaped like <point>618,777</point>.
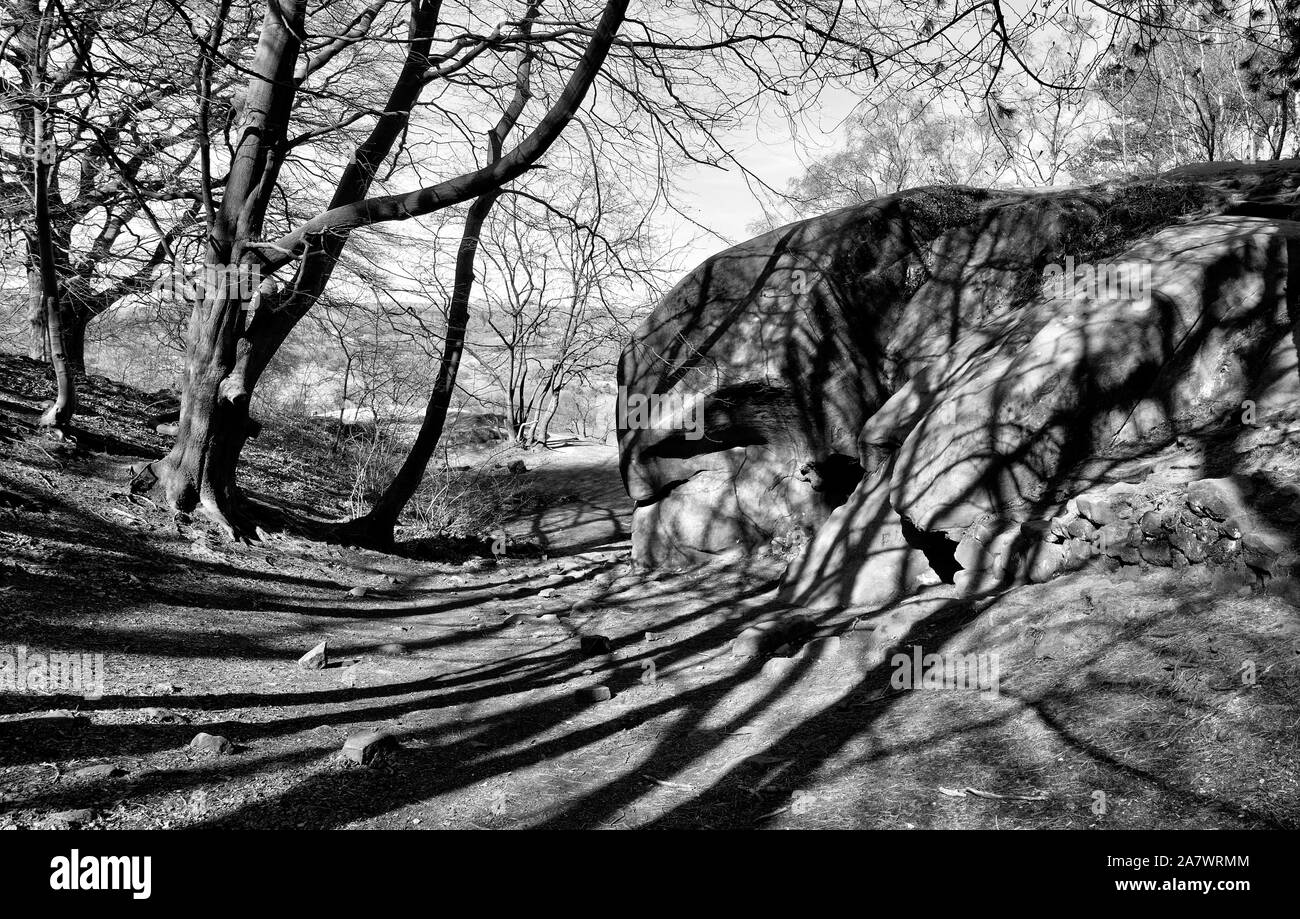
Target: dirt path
<point>486,679</point>
<point>600,518</point>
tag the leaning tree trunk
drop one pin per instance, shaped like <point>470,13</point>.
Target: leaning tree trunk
<point>280,312</point>
<point>223,369</point>
<point>200,469</point>
<point>375,528</point>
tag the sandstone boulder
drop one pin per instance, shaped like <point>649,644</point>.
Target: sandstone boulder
<point>902,381</point>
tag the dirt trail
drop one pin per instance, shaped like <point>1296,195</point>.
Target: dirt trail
<point>600,516</point>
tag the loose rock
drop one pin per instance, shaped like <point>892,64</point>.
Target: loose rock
<point>748,643</point>
<point>1219,498</point>
<point>595,694</point>
<point>1097,509</point>
<point>316,658</point>
<point>368,747</point>
<point>211,745</point>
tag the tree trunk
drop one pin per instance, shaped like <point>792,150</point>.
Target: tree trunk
<point>375,528</point>
<point>38,344</point>
<point>224,363</point>
<point>343,405</point>
<point>544,435</point>
<point>59,414</point>
<point>74,322</point>
<point>270,327</point>
<point>80,305</point>
<point>200,469</point>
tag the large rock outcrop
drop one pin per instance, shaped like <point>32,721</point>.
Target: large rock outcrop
<point>897,386</point>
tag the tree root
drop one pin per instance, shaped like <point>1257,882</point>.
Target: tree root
<point>143,481</point>
<point>236,527</point>
<point>363,532</point>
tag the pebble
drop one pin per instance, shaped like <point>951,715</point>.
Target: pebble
<point>59,714</point>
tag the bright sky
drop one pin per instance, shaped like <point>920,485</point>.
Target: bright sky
<point>725,201</point>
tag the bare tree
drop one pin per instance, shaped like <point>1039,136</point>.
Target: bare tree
<point>31,41</point>
<point>555,308</point>
<point>902,142</point>
<point>667,83</point>
<point>119,187</point>
<point>1207,89</point>
<point>226,355</point>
